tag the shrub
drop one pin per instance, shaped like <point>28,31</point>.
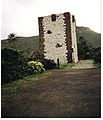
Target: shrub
<point>48,63</point>
<point>37,55</point>
<point>12,65</point>
<point>97,55</point>
<point>83,49</point>
<point>35,67</point>
<point>87,51</point>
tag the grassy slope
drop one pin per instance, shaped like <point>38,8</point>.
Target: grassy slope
<point>92,37</point>
<point>29,44</point>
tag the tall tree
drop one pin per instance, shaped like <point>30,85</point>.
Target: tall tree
<point>83,48</point>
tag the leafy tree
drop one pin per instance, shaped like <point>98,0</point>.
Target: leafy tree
<point>87,51</point>
<point>83,49</point>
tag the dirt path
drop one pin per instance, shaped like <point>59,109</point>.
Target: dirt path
<point>73,93</point>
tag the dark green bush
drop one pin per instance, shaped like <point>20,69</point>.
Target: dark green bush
<point>83,49</point>
<point>96,53</point>
<point>13,65</point>
<point>37,55</point>
<point>87,51</point>
<point>48,63</point>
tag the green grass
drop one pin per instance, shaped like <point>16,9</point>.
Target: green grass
<point>67,66</point>
<point>27,44</point>
<point>13,87</point>
<point>97,65</point>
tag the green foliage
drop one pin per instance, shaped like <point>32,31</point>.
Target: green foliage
<point>67,66</point>
<point>83,49</point>
<point>35,67</point>
<point>48,63</point>
<point>12,64</point>
<point>27,44</point>
<point>95,54</point>
<point>86,51</point>
<point>37,55</point>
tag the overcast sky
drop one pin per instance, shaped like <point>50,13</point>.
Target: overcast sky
<point>21,16</point>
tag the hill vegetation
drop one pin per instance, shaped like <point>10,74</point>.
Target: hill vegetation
<point>91,37</point>
<point>29,44</point>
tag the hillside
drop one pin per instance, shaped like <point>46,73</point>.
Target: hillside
<point>89,35</point>
<point>30,44</point>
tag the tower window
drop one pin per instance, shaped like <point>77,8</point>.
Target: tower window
<point>58,45</point>
<point>49,32</point>
<point>53,17</point>
<point>73,18</point>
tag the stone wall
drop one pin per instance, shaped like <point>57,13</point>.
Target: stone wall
<point>74,40</point>
<point>56,37</point>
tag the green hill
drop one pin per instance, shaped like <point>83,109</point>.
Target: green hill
<point>89,35</point>
<point>30,44</point>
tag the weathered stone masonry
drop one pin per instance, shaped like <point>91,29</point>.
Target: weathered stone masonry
<point>57,34</point>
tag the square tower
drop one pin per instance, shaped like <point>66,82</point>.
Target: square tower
<point>57,40</point>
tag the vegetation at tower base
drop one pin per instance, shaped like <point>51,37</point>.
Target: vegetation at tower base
<point>87,51</point>
<point>89,44</point>
<point>35,67</point>
<point>48,63</point>
<point>14,66</point>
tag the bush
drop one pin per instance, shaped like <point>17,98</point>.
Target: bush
<point>97,55</point>
<point>83,49</point>
<point>35,67</point>
<point>48,63</point>
<point>87,51</point>
<point>12,65</point>
<point>37,55</point>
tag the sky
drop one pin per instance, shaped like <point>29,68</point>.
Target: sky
<point>21,16</point>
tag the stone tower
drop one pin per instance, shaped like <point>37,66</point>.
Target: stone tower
<point>57,34</point>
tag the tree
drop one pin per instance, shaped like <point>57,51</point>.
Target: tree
<point>12,39</point>
<point>83,49</point>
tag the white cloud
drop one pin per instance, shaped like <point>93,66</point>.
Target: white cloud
<point>21,16</point>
